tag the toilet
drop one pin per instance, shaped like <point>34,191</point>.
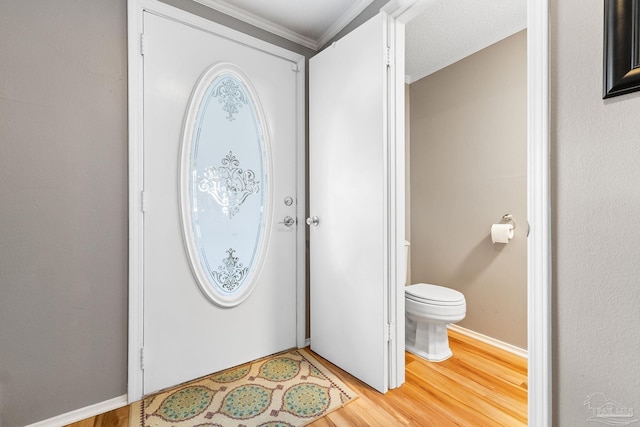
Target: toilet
<point>429,309</point>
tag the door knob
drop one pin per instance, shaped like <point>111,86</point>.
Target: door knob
<point>314,220</point>
<point>288,221</point>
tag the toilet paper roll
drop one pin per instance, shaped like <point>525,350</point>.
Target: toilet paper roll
<point>501,233</point>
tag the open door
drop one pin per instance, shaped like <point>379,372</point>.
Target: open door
<point>353,239</point>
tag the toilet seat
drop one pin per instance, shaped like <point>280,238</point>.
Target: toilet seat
<point>434,295</point>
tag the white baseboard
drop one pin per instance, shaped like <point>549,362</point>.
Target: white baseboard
<point>83,413</point>
<point>477,336</point>
<point>491,341</point>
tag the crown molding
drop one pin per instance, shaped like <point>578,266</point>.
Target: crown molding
<point>279,30</point>
<point>344,20</point>
<point>260,22</point>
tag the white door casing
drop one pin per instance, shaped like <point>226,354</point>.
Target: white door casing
<point>184,334</point>
<point>539,265</point>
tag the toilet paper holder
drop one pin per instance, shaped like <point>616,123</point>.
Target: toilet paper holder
<point>509,218</point>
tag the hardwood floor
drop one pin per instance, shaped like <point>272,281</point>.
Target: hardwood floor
<point>479,385</point>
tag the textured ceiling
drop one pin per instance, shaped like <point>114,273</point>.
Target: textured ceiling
<point>447,30</point>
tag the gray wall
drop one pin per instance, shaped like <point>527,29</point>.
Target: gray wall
<point>63,203</point>
<point>63,220</point>
<point>596,235</point>
<point>468,164</point>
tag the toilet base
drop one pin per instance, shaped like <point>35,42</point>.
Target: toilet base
<point>428,340</point>
<point>431,357</point>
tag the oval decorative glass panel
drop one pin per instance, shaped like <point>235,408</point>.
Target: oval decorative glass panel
<point>224,185</point>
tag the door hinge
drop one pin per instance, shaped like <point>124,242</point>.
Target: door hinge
<point>142,358</point>
<point>143,201</point>
<point>388,57</point>
<point>142,44</point>
<point>389,332</point>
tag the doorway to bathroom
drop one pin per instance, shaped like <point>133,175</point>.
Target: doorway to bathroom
<point>533,226</point>
<point>467,157</point>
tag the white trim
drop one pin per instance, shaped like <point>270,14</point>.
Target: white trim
<point>490,341</point>
<point>539,215</point>
<point>399,12</point>
<point>405,10</point>
<point>388,191</point>
<point>136,218</point>
<point>301,215</point>
<point>83,413</point>
<point>397,207</point>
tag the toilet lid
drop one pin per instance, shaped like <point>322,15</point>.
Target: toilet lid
<point>433,294</point>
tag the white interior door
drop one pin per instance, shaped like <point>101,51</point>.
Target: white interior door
<point>349,194</point>
<point>193,270</point>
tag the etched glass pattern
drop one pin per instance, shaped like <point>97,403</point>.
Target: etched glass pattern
<point>230,95</point>
<point>231,273</point>
<point>227,184</point>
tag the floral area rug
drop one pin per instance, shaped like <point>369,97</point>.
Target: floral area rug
<point>285,390</point>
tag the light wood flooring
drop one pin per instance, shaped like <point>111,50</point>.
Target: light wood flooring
<point>479,385</point>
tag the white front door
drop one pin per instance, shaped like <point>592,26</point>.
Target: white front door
<point>351,245</point>
<point>219,268</point>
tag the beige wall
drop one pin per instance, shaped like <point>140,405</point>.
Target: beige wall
<point>468,167</point>
<point>407,175</point>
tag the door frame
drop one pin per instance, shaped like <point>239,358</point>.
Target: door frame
<point>538,193</point>
<point>135,45</point>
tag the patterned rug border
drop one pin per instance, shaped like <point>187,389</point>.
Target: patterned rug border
<point>328,375</point>
<point>136,417</point>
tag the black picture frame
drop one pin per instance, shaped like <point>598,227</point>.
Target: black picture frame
<point>621,47</point>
